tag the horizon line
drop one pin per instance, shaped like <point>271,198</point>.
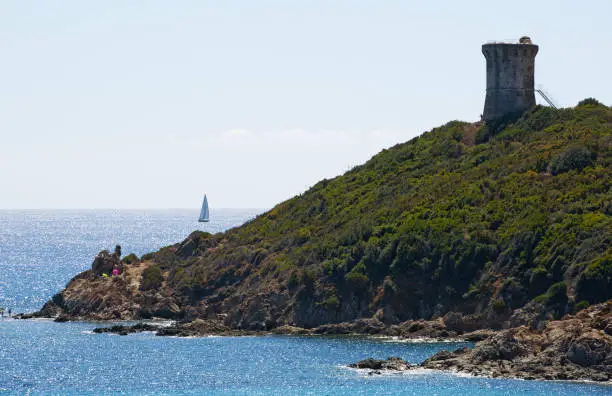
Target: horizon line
<point>128,208</point>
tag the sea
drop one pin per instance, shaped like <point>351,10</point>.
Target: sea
<point>41,250</point>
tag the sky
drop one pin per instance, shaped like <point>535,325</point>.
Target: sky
<point>150,104</point>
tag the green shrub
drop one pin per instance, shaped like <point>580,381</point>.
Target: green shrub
<point>357,280</point>
<point>574,158</point>
<point>293,281</point>
<point>499,305</point>
<point>589,101</point>
<point>152,278</point>
<point>307,279</point>
<point>332,303</point>
<point>130,259</point>
<point>595,282</point>
<point>557,294</point>
<point>147,256</point>
<point>539,281</point>
<point>581,305</point>
<point>555,297</point>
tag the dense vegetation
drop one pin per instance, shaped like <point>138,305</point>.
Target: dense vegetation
<point>463,218</point>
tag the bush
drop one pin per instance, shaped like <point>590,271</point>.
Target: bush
<point>556,295</point>
<point>357,280</point>
<point>595,283</point>
<point>130,259</point>
<point>498,306</point>
<point>332,303</point>
<point>574,158</point>
<point>293,281</point>
<point>581,305</point>
<point>539,281</point>
<point>589,101</point>
<point>152,278</point>
<point>147,256</point>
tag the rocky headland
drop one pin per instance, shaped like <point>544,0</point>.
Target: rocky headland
<point>471,231</point>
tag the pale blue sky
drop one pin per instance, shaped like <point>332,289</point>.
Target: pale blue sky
<point>147,104</point>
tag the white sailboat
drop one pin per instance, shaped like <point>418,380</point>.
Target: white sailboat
<point>204,212</point>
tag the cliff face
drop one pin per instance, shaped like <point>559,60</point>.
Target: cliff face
<point>506,227</point>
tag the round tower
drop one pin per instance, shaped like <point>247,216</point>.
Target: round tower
<point>510,71</point>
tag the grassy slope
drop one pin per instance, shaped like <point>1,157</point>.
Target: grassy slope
<point>451,220</point>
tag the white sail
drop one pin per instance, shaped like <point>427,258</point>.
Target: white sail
<point>204,211</point>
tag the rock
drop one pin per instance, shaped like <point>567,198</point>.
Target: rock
<point>200,328</point>
<point>574,348</point>
<point>588,351</point>
<point>291,330</point>
<point>104,262</point>
<point>533,315</point>
<point>478,335</point>
<point>124,330</point>
<point>167,309</point>
<point>62,318</point>
<point>390,364</point>
<point>360,326</point>
<point>464,323</point>
<point>196,328</point>
<point>445,355</point>
<point>435,329</point>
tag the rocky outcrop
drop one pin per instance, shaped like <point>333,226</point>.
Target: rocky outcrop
<point>196,328</point>
<point>291,330</point>
<point>104,263</point>
<point>361,326</point>
<point>96,295</point>
<point>574,348</point>
<point>125,330</point>
<point>378,366</point>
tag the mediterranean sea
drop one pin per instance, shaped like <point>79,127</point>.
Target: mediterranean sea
<point>41,250</point>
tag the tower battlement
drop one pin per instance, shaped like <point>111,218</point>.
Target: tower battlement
<point>510,78</point>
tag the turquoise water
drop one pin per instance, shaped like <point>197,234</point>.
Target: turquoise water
<point>40,251</point>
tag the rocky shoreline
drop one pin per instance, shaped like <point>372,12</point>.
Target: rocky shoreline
<point>362,327</point>
<point>575,348</point>
<point>196,328</point>
<point>528,344</point>
<point>432,330</point>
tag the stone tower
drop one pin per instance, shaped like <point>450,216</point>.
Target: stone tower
<point>510,70</point>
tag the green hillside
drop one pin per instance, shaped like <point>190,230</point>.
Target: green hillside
<point>467,218</point>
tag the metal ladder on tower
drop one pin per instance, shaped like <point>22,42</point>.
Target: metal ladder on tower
<point>547,99</point>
